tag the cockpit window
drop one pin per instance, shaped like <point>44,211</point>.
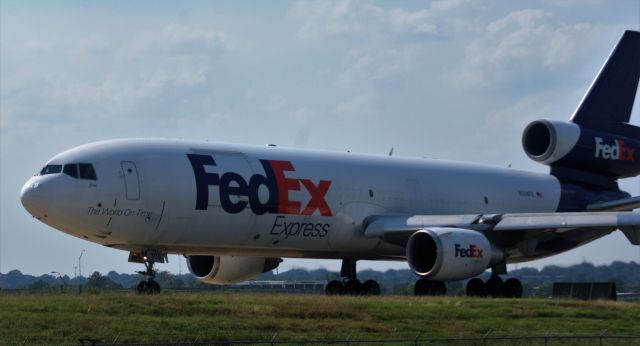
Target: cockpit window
<point>51,169</point>
<point>75,170</point>
<point>71,169</point>
<point>87,171</point>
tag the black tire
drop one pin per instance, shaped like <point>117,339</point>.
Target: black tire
<point>153,287</point>
<point>426,287</point>
<point>475,288</point>
<point>141,287</point>
<point>513,288</point>
<point>334,288</point>
<point>494,287</point>
<point>421,287</point>
<point>353,287</point>
<point>438,288</point>
<point>371,288</point>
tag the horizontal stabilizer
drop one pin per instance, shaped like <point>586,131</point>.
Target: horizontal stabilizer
<point>624,204</point>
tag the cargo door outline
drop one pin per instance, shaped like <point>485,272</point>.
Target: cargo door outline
<point>131,180</point>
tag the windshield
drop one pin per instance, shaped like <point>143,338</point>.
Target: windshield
<point>87,171</point>
<point>83,171</point>
<point>51,169</point>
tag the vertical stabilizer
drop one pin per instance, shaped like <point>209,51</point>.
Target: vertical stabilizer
<point>609,100</point>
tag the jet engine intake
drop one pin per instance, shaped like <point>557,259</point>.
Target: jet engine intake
<point>225,270</point>
<point>548,141</point>
<point>447,254</point>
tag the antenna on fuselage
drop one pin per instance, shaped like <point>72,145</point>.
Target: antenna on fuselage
<point>391,152</point>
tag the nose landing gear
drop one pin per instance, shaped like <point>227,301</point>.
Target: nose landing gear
<point>148,286</point>
<point>148,258</point>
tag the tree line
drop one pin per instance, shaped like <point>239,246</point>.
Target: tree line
<point>536,282</point>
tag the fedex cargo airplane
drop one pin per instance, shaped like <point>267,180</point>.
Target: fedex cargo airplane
<point>234,211</point>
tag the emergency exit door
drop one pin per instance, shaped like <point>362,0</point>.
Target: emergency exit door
<point>131,180</point>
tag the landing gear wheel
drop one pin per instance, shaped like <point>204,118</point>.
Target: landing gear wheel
<point>153,287</point>
<point>421,288</point>
<point>353,287</point>
<point>439,288</point>
<point>426,287</point>
<point>141,287</point>
<point>334,287</point>
<point>513,288</point>
<point>148,287</point>
<point>371,288</point>
<point>476,288</point>
<point>494,286</point>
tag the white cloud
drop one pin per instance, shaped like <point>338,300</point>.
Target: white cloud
<point>143,66</point>
<point>426,21</point>
<point>336,18</point>
<point>384,44</point>
<point>93,45</point>
<point>266,101</point>
<point>364,19</point>
<point>416,22</point>
<point>121,89</point>
<point>523,40</point>
<point>171,40</point>
<point>581,3</point>
<point>365,66</point>
<point>359,103</point>
<point>180,40</point>
<point>370,72</point>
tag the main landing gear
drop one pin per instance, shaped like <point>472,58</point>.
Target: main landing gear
<point>148,258</point>
<point>494,287</point>
<point>426,287</point>
<point>350,284</point>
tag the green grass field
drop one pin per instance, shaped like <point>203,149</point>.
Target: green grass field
<point>182,317</point>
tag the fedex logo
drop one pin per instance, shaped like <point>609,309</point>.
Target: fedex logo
<point>275,180</point>
<point>617,151</point>
<point>472,252</point>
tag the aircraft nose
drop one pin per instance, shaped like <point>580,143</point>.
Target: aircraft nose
<point>33,199</point>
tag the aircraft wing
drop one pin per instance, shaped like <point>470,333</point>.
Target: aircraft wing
<point>398,228</point>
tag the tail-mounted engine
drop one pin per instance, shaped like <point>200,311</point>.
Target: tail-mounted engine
<point>568,145</point>
<point>447,254</point>
<point>225,270</point>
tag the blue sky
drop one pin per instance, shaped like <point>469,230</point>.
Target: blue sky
<point>446,79</point>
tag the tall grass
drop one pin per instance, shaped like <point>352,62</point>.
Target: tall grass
<point>181,317</point>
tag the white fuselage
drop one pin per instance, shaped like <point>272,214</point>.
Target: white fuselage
<point>146,196</point>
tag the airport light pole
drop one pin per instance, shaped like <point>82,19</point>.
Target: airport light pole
<point>64,283</point>
<point>61,278</point>
<point>80,263</point>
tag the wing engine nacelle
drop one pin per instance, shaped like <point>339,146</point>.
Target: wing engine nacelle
<point>448,254</point>
<point>225,270</point>
<point>567,144</point>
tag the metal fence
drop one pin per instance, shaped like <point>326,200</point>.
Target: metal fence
<point>538,340</point>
